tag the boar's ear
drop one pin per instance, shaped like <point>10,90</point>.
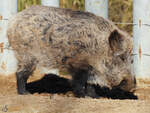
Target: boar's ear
<point>116,43</point>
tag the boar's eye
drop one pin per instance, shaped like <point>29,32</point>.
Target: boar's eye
<point>122,57</point>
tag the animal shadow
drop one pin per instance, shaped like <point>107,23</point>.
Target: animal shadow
<point>114,93</point>
<point>50,83</point>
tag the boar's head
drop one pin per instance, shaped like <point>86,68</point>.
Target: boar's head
<point>119,66</point>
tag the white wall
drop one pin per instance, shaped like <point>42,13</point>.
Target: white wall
<point>141,34</point>
<point>8,63</point>
<point>54,3</point>
<point>98,7</point>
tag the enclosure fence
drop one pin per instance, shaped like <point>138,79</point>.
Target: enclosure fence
<point>141,32</point>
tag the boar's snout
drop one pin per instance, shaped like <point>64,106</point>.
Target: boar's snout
<point>128,84</point>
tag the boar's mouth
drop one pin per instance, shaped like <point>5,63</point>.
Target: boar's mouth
<point>127,86</point>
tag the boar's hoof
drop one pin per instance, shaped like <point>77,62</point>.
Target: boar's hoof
<point>78,90</point>
<point>23,92</point>
<point>90,91</point>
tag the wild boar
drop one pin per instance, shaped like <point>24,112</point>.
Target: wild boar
<point>92,49</point>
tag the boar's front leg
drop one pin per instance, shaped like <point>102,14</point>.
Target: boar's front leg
<point>22,76</point>
<point>80,86</point>
<point>79,83</point>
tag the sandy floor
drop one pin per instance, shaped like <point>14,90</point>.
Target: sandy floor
<point>52,94</point>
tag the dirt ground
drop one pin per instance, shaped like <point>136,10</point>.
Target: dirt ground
<point>52,94</point>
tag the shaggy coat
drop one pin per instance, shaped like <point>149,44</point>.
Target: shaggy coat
<point>92,49</point>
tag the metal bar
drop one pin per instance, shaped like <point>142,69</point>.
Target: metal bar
<point>142,54</point>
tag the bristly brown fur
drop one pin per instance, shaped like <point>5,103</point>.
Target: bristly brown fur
<point>73,40</point>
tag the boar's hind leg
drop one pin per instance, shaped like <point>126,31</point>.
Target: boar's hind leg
<point>22,76</point>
